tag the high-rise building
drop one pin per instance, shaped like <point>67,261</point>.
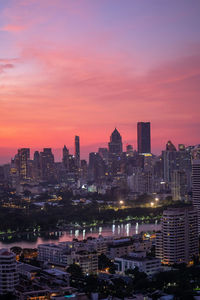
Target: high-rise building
<point>23,157</point>
<point>47,164</point>
<point>196,187</point>
<point>179,185</point>
<point>170,161</point>
<point>65,158</point>
<point>8,272</point>
<point>96,170</point>
<point>144,137</point>
<point>84,169</point>
<point>115,144</point>
<point>36,165</point>
<point>103,152</point>
<point>178,240</point>
<point>77,151</point>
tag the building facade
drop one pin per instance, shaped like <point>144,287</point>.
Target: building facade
<point>178,240</point>
<point>9,277</point>
<point>196,188</point>
<point>144,137</point>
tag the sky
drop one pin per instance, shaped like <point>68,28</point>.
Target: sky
<point>84,67</point>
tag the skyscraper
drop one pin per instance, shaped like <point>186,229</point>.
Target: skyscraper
<point>23,157</point>
<point>96,167</point>
<point>65,158</point>
<point>196,187</point>
<point>115,144</point>
<point>47,164</point>
<point>77,151</point>
<point>170,161</point>
<point>178,241</point>
<point>144,137</point>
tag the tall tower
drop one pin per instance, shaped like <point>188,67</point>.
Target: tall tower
<point>65,158</point>
<point>115,144</point>
<point>47,164</point>
<point>23,156</point>
<point>77,150</point>
<point>196,188</point>
<point>144,137</point>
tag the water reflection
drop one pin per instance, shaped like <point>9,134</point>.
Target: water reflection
<point>76,233</point>
<point>113,228</point>
<point>136,228</point>
<point>32,240</point>
<point>118,229</point>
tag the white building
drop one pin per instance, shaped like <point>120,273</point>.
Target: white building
<point>149,265</point>
<point>54,254</point>
<point>8,272</point>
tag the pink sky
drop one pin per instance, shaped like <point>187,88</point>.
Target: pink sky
<point>83,67</point>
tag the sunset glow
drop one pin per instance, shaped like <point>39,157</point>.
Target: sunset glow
<point>85,67</point>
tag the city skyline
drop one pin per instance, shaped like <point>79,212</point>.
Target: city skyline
<point>85,151</point>
<point>76,68</point>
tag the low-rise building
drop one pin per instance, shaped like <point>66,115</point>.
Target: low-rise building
<point>148,265</point>
<point>54,254</point>
<point>120,247</point>
<point>27,270</point>
<point>88,261</point>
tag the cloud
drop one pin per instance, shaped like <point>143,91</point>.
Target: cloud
<point>4,67</point>
<point>13,28</point>
<point>73,80</point>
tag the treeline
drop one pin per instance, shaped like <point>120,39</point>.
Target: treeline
<point>50,217</point>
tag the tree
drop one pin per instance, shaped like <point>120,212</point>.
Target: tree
<point>91,282</point>
<point>75,270</point>
<point>105,263</point>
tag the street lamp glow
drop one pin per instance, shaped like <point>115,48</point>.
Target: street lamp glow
<point>121,202</point>
<point>156,199</point>
<point>152,204</point>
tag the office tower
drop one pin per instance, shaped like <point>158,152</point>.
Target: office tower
<point>8,272</point>
<point>36,165</point>
<point>77,151</point>
<point>96,169</point>
<point>178,241</point>
<point>72,163</point>
<point>47,164</point>
<point>115,144</point>
<point>179,185</point>
<point>170,161</point>
<point>144,137</point>
<point>184,160</point>
<point>23,157</point>
<point>103,152</point>
<point>196,187</point>
<point>84,169</point>
<point>65,158</point>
